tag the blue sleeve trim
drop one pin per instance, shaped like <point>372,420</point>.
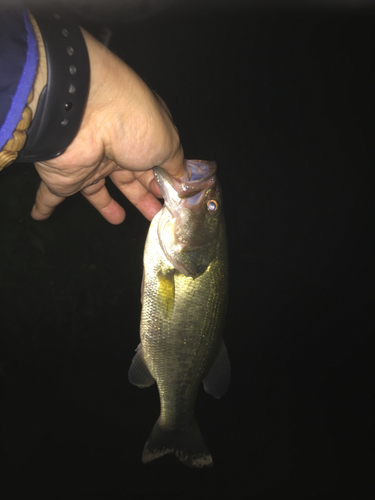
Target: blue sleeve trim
<point>24,86</point>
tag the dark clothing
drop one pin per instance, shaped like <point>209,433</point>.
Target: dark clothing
<point>18,66</point>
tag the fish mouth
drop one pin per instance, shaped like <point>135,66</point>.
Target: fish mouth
<point>198,176</point>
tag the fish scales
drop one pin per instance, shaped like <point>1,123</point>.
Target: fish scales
<point>188,351</point>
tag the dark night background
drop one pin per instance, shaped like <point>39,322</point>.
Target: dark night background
<point>283,100</point>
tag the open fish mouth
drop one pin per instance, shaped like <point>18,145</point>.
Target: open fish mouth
<point>198,176</point>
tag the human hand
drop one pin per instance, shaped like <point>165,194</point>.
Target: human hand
<point>125,131</point>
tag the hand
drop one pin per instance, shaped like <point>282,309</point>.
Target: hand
<point>126,130</point>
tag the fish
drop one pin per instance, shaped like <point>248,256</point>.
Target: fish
<point>184,301</point>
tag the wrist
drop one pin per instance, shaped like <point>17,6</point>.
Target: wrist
<point>61,87</point>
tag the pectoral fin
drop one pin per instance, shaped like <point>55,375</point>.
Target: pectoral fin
<point>139,374</point>
<point>165,293</point>
<point>217,381</point>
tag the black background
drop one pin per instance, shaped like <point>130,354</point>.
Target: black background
<point>283,100</point>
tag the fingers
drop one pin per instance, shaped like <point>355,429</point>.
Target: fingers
<point>99,198</point>
<point>140,188</point>
<point>97,195</point>
<point>45,203</point>
<point>137,193</point>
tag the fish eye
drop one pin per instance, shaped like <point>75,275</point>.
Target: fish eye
<point>213,207</point>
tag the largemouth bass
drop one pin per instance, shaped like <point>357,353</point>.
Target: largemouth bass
<point>184,296</point>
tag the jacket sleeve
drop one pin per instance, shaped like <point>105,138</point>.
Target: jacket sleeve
<point>18,66</point>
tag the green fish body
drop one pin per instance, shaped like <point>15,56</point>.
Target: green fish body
<point>184,297</point>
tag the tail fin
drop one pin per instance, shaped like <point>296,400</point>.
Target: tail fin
<point>188,445</point>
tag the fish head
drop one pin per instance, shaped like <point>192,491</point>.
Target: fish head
<point>192,214</point>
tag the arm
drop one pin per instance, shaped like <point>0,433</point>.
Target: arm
<point>125,131</point>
